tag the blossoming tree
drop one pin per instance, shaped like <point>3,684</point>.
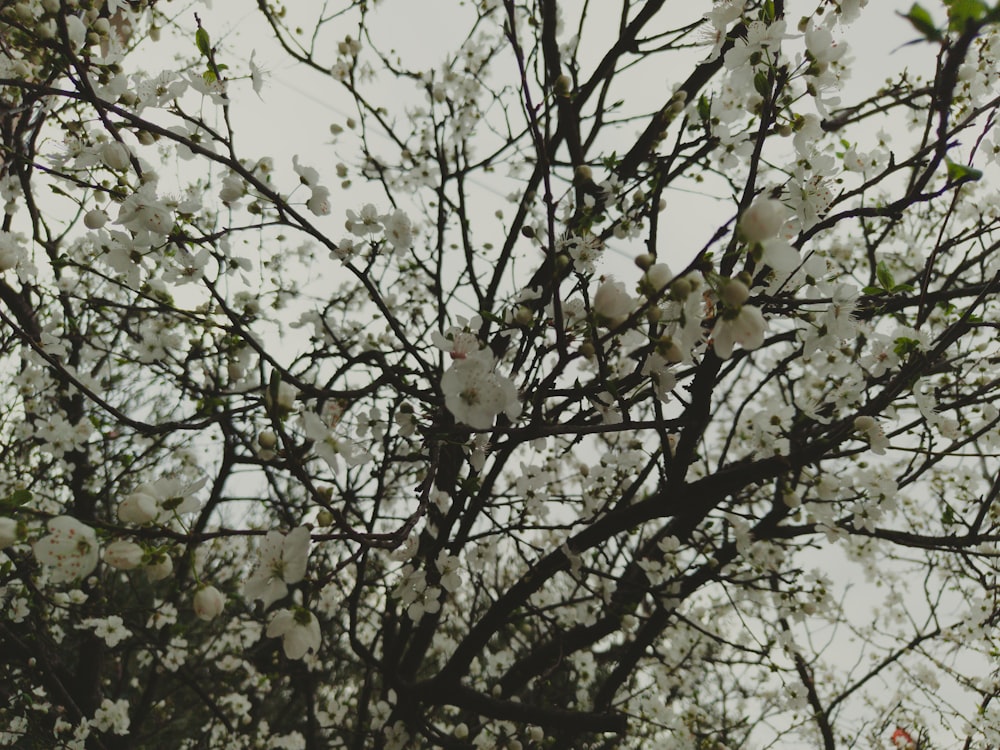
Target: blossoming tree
<point>646,398</point>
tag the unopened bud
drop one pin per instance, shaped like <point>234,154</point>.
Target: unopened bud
<point>735,293</point>
<point>680,288</point>
<point>95,219</point>
<point>645,260</point>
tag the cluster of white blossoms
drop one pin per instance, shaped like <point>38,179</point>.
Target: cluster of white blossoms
<point>475,393</point>
<point>319,199</point>
<point>283,560</point>
<point>394,226</point>
<point>760,227</point>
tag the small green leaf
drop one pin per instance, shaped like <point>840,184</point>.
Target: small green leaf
<point>15,500</point>
<point>884,276</point>
<point>963,12</point>
<point>704,107</point>
<point>20,497</point>
<point>922,22</point>
<point>762,82</point>
<point>203,43</point>
<point>873,290</point>
<point>961,173</point>
<point>904,346</point>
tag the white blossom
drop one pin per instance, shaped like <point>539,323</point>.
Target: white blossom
<point>298,630</point>
<point>283,559</point>
<point>612,303</point>
<point>746,328</point>
<point>70,550</point>
<point>763,219</point>
<point>475,394</point>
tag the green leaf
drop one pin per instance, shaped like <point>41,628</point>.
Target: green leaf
<point>767,12</point>
<point>884,276</point>
<point>762,82</point>
<point>201,40</point>
<point>704,107</point>
<point>904,346</point>
<point>963,12</point>
<point>961,173</point>
<point>19,497</point>
<point>15,500</point>
<point>873,290</point>
<point>922,22</point>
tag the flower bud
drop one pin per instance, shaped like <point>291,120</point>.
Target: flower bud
<point>656,278</point>
<point>159,567</point>
<point>763,219</point>
<point>209,603</point>
<point>8,532</point>
<point>115,156</point>
<point>95,218</point>
<point>735,293</point>
<point>645,260</point>
<point>523,316</point>
<point>680,288</point>
<point>864,423</point>
<point>267,439</point>
<point>123,555</point>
